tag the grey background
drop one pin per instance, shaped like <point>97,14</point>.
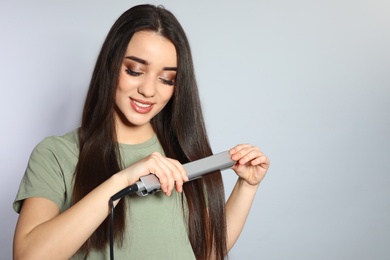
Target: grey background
<point>307,81</point>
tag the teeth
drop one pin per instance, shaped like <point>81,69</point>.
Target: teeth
<point>141,104</point>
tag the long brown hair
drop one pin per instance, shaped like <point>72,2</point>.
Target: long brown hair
<point>179,127</point>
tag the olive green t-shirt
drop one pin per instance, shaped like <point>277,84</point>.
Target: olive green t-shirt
<point>155,227</point>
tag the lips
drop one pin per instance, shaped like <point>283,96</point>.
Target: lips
<point>141,106</point>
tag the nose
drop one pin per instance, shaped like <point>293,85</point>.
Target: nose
<point>148,87</point>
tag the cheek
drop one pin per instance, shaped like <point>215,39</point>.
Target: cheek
<point>120,93</point>
<point>169,94</point>
<point>120,86</point>
<point>122,89</point>
<point>126,83</point>
<point>118,97</point>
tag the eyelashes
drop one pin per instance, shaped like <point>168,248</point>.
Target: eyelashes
<point>167,82</point>
<point>133,73</point>
<point>137,74</point>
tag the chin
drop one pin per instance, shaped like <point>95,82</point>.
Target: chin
<point>137,122</point>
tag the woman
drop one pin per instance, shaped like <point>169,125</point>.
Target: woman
<point>142,115</point>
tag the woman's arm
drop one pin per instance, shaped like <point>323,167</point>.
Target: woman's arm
<point>251,167</point>
<point>43,233</point>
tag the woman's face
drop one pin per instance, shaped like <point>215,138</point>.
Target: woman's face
<point>146,79</point>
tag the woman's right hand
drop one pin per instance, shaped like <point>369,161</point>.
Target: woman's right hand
<point>170,172</point>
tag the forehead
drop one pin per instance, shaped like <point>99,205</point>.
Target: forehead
<point>153,48</point>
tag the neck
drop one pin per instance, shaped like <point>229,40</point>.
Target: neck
<point>127,134</point>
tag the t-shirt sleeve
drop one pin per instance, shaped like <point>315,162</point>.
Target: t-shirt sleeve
<point>43,177</point>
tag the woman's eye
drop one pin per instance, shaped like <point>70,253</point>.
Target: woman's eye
<point>133,73</point>
<point>167,82</point>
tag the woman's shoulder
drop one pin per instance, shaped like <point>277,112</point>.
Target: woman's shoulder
<point>67,143</point>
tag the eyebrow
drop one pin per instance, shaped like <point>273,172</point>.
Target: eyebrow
<point>142,61</point>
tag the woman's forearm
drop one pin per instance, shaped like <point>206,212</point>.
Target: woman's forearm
<point>237,209</point>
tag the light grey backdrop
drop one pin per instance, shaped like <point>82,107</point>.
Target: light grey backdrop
<point>307,81</point>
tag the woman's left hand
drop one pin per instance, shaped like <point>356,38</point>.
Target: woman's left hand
<point>251,163</point>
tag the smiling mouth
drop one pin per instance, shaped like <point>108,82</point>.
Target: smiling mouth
<point>140,106</point>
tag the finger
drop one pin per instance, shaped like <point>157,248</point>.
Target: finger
<point>262,161</point>
<point>245,153</point>
<point>179,173</point>
<point>180,168</point>
<point>173,174</point>
<point>239,147</point>
<point>162,171</point>
<point>249,156</point>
